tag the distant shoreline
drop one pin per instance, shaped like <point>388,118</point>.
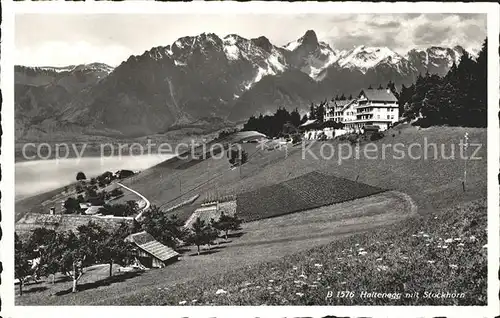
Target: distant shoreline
<point>90,151</point>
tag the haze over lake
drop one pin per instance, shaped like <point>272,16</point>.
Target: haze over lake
<point>39,176</point>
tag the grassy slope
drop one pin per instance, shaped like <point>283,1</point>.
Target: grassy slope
<point>434,184</point>
<point>415,257</point>
<point>42,203</point>
<point>256,244</point>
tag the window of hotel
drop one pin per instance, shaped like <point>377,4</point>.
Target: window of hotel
<point>388,117</point>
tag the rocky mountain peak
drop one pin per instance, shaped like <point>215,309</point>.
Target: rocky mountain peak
<point>263,43</point>
<point>310,38</point>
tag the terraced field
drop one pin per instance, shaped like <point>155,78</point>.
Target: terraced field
<point>305,192</point>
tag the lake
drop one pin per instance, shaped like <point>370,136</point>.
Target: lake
<point>39,176</point>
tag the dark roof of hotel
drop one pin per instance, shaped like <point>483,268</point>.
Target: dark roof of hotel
<point>343,102</point>
<point>379,95</point>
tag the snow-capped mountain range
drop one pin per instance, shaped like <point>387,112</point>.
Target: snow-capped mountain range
<point>208,76</point>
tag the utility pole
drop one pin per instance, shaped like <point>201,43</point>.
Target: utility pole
<point>356,157</point>
<point>180,186</point>
<point>465,164</point>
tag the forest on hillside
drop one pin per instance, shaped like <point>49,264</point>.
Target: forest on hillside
<point>458,99</point>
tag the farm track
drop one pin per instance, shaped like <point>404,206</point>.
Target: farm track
<point>144,207</point>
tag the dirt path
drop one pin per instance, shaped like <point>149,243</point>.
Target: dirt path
<point>143,198</point>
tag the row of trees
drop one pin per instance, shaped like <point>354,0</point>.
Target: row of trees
<point>70,252</point>
<point>271,125</point>
<point>170,231</point>
<point>203,233</point>
<point>90,195</point>
<point>457,99</point>
<point>105,178</point>
<point>129,208</point>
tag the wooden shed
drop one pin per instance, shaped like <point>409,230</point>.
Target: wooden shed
<point>150,252</point>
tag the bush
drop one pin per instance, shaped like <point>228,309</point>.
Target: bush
<point>116,192</point>
<point>71,205</point>
<point>352,138</point>
<point>79,188</point>
<point>376,136</point>
<point>122,174</point>
<point>296,139</point>
<point>80,176</point>
<point>237,156</point>
<point>423,123</point>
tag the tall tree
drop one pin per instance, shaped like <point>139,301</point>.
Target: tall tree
<point>198,233</point>
<point>166,229</point>
<point>37,244</point>
<point>80,176</point>
<point>21,262</point>
<point>458,99</point>
<point>312,111</point>
<point>72,255</point>
<point>295,117</point>
<point>320,112</point>
<point>392,87</point>
<point>227,223</point>
<point>114,249</point>
<point>71,205</point>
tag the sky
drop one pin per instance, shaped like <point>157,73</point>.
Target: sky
<point>60,40</point>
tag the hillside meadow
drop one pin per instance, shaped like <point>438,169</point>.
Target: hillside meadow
<point>392,248</point>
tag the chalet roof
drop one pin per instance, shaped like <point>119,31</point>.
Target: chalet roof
<point>379,95</point>
<point>93,209</point>
<point>147,242</point>
<point>85,205</point>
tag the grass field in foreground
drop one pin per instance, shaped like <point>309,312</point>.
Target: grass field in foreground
<point>442,253</point>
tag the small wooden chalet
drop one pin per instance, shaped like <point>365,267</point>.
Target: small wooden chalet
<point>150,252</point>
